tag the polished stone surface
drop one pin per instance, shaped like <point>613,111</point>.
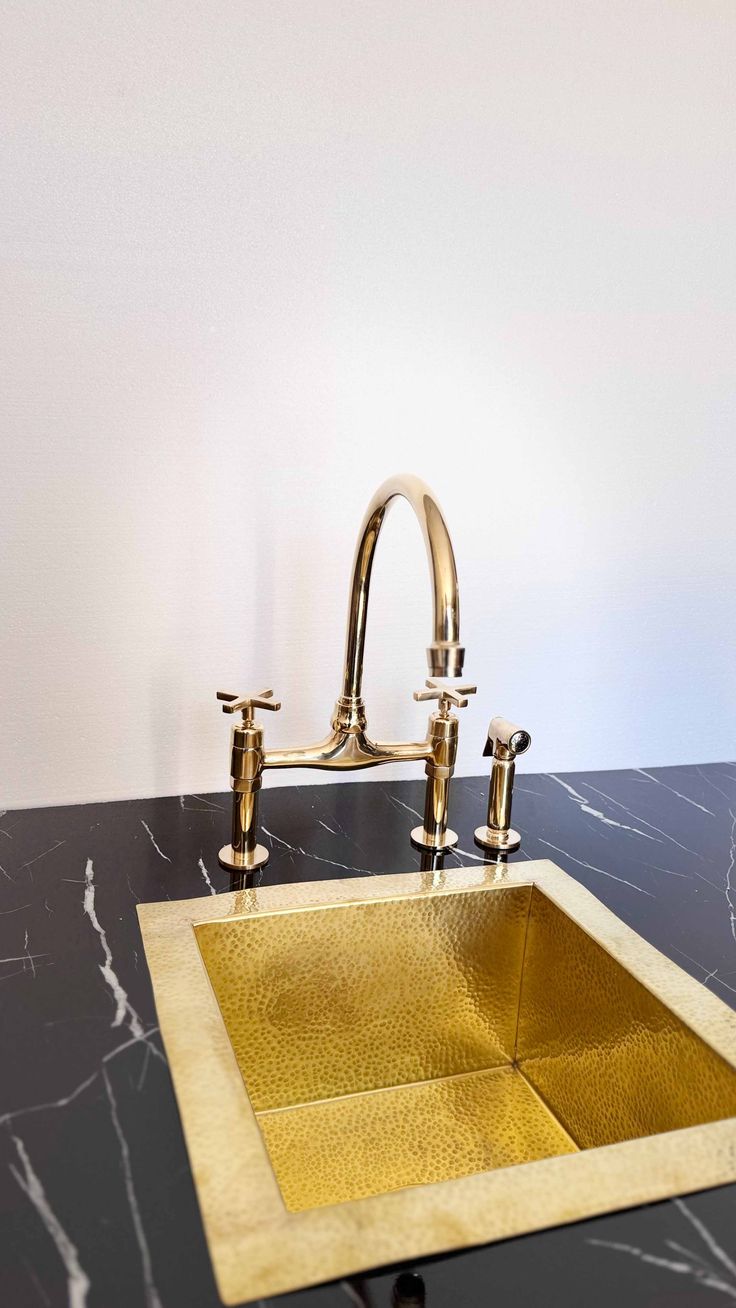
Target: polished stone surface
<point>97,1201</point>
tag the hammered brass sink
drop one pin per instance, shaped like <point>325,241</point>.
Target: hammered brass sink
<point>388,1067</point>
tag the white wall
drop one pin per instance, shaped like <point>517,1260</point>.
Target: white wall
<point>260,254</point>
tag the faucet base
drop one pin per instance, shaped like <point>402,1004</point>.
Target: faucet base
<point>487,838</point>
<point>236,862</point>
<point>421,839</point>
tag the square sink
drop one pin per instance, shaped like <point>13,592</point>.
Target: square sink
<point>388,1067</point>
<point>409,1041</point>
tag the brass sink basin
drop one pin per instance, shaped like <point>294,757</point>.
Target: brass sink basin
<point>386,1067</point>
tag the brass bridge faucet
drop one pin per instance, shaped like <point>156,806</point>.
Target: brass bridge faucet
<point>348,745</point>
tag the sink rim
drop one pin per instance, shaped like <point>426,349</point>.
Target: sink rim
<point>260,1248</point>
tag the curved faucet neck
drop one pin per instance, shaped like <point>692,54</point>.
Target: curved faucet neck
<point>445,654</point>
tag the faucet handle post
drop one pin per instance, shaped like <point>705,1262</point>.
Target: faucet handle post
<point>244,854</point>
<point>443,729</point>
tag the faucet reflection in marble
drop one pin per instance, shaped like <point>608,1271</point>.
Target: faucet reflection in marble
<point>348,745</point>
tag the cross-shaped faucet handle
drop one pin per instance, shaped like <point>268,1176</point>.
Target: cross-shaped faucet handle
<point>263,700</point>
<point>449,696</point>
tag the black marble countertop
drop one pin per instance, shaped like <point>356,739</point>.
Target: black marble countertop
<point>97,1202</point>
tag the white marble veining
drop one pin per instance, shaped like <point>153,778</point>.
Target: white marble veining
<point>205,804</point>
<point>78,1283</point>
<point>658,782</point>
<point>64,1100</point>
<point>309,853</point>
<point>729,874</point>
<point>399,803</point>
<point>31,957</point>
<point>466,853</point>
<point>665,834</point>
<point>152,1299</point>
<point>152,838</point>
<point>353,1294</point>
<point>688,1263</point>
<point>123,1006</point>
<point>206,876</point>
<point>29,862</point>
<point>706,1236</point>
<point>25,957</point>
<point>710,782</point>
<point>591,866</point>
<point>585,807</point>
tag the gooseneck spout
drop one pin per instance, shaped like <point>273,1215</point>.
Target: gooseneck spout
<point>445,655</point>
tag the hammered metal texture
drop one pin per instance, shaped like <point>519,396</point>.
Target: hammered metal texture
<point>358,1029</point>
<point>610,1059</point>
<point>344,1149</point>
<point>569,1033</point>
<point>334,1001</point>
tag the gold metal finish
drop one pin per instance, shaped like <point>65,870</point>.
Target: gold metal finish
<point>244,854</point>
<point>263,700</point>
<point>385,1068</point>
<point>445,655</point>
<point>449,696</point>
<point>443,728</point>
<point>348,746</point>
<point>503,743</point>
